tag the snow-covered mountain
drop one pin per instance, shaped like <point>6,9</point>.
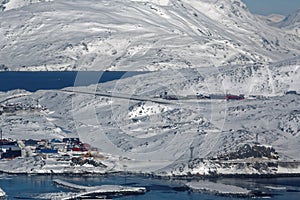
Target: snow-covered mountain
<point>292,21</point>
<point>182,41</point>
<point>136,35</point>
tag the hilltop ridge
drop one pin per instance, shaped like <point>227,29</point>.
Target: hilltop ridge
<point>137,35</point>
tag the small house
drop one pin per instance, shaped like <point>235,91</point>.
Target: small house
<point>234,97</point>
<point>217,96</point>
<point>71,140</point>
<point>46,151</point>
<point>60,146</point>
<point>31,142</point>
<point>291,92</point>
<point>10,152</point>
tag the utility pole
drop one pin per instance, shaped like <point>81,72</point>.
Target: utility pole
<point>256,137</point>
<point>191,152</point>
<point>1,133</point>
<point>125,177</point>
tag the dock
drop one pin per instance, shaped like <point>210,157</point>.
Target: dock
<point>2,194</point>
<point>100,192</point>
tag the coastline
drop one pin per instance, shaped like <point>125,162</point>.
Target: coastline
<point>155,176</point>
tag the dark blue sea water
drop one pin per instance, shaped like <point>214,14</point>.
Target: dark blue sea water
<point>27,187</point>
<point>33,81</point>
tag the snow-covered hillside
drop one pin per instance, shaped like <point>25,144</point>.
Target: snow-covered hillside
<point>15,4</point>
<point>136,35</point>
<point>290,24</point>
<point>272,19</point>
<point>158,134</point>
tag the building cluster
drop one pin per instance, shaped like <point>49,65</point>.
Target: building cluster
<point>10,149</point>
<point>227,97</point>
<point>15,107</point>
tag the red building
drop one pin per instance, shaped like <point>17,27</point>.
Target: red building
<point>234,97</point>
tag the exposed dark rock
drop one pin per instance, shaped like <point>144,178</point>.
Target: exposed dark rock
<point>82,161</point>
<point>251,151</point>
